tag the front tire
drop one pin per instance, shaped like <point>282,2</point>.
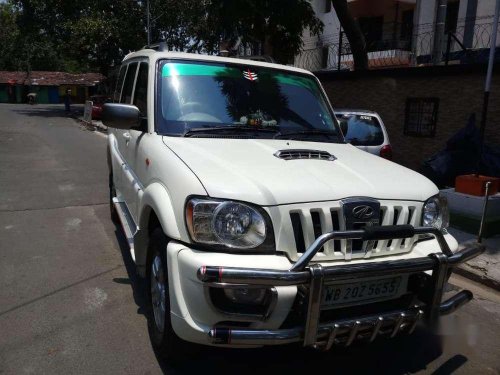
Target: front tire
<point>165,342</point>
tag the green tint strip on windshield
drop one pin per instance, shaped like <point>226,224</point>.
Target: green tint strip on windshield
<point>180,69</point>
<point>198,70</point>
<point>289,79</point>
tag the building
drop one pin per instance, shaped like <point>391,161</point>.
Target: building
<point>424,84</point>
<point>50,87</point>
<point>422,108</point>
<point>401,33</point>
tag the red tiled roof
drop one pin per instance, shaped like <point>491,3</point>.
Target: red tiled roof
<point>51,78</point>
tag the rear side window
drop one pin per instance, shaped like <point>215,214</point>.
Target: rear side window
<point>119,84</point>
<point>361,130</point>
<point>141,89</point>
<point>128,87</point>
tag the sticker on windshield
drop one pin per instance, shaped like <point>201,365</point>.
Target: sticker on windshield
<point>251,76</point>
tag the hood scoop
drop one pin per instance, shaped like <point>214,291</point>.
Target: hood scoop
<point>304,154</point>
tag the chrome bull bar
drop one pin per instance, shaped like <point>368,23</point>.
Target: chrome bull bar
<point>324,335</point>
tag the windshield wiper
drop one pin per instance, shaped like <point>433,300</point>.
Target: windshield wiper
<point>308,132</point>
<point>229,128</point>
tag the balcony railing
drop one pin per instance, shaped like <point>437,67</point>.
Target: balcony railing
<point>468,43</point>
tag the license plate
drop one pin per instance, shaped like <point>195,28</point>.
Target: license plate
<point>368,290</point>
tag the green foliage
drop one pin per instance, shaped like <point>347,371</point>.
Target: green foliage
<point>9,33</point>
<point>74,36</point>
<point>271,27</point>
<point>95,35</point>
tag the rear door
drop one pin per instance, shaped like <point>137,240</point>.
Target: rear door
<point>113,136</point>
<point>134,157</point>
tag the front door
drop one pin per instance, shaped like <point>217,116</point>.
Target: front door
<point>134,91</point>
<point>133,155</point>
<point>124,140</point>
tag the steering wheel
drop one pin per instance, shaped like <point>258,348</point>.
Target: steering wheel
<point>195,111</point>
<point>190,107</point>
<point>198,116</point>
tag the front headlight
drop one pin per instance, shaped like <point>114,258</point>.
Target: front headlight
<point>435,213</point>
<point>227,223</point>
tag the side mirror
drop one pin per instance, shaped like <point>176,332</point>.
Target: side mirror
<point>120,116</point>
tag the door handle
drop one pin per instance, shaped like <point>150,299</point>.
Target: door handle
<point>126,136</point>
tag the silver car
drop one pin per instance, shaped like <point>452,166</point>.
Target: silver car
<point>365,130</point>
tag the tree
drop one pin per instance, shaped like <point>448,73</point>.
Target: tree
<point>20,50</point>
<point>102,33</point>
<point>353,33</point>
<point>9,33</point>
<point>77,35</point>
<point>95,35</point>
<point>271,27</point>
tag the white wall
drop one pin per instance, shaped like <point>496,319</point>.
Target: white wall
<point>424,17</point>
<point>425,13</point>
<point>485,8</point>
<point>330,30</point>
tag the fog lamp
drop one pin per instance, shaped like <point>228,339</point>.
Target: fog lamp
<point>246,296</point>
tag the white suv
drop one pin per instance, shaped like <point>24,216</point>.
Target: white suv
<point>252,219</point>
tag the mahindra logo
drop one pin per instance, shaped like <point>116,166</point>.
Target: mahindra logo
<point>362,212</point>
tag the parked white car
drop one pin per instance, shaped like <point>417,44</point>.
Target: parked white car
<point>365,130</point>
<point>254,222</point>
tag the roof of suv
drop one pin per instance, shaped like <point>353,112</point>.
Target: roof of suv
<point>360,111</point>
<point>198,57</point>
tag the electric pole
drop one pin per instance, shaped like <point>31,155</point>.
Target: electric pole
<point>487,86</point>
<point>439,29</point>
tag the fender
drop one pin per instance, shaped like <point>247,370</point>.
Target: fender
<point>155,198</point>
<point>114,154</point>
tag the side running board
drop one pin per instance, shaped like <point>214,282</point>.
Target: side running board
<point>128,224</point>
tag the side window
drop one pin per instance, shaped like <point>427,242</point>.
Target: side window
<point>141,89</point>
<point>119,84</point>
<point>126,97</point>
<point>421,117</point>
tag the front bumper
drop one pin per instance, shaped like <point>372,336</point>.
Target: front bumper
<point>324,335</point>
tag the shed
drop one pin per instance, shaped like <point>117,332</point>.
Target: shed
<point>50,87</point>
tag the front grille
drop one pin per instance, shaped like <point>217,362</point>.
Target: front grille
<point>304,154</point>
<point>302,225</point>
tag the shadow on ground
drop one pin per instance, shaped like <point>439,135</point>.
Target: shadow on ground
<point>401,355</point>
<point>49,111</point>
<point>137,283</point>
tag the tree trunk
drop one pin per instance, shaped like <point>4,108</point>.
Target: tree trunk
<point>353,33</point>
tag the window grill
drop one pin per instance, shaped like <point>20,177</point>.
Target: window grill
<point>421,117</point>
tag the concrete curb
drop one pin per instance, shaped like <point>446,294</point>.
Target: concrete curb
<point>94,125</point>
<point>466,271</point>
<point>485,268</point>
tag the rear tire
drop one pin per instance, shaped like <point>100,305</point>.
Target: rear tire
<point>165,342</point>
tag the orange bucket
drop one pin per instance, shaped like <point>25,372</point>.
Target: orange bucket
<point>475,184</point>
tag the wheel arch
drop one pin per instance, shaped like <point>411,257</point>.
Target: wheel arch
<point>156,210</point>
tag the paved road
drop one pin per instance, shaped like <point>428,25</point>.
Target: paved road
<point>70,303</point>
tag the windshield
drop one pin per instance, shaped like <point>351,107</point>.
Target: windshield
<point>361,130</point>
<point>259,102</point>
